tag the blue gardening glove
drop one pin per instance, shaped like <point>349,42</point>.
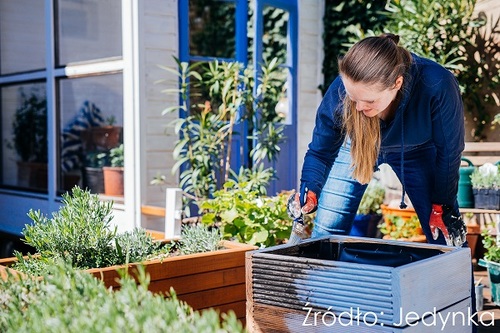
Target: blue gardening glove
<point>299,204</point>
<point>450,223</point>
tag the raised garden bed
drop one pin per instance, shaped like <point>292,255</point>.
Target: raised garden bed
<point>378,281</point>
<point>204,280</point>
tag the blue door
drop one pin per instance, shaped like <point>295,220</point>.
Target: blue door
<point>254,31</point>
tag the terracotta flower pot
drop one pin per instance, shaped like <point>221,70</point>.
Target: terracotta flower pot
<point>113,181</point>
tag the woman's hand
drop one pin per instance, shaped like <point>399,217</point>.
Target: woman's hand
<point>450,223</point>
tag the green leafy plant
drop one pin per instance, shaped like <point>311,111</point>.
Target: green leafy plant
<point>486,176</point>
<point>345,21</point>
<point>491,245</point>
<point>216,98</point>
<point>96,159</point>
<point>372,199</point>
<point>451,34</point>
<point>396,227</point>
<point>244,214</point>
<point>481,79</point>
<point>114,157</point>
<point>117,157</point>
<point>66,300</point>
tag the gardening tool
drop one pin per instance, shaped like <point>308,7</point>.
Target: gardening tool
<point>298,227</point>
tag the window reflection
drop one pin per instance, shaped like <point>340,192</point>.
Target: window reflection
<point>274,38</point>
<point>91,125</point>
<point>24,136</point>
<point>22,36</point>
<point>212,28</point>
<point>88,30</point>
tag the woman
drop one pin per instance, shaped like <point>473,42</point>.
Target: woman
<point>386,106</point>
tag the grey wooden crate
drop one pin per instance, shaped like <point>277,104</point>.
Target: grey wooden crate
<point>314,275</point>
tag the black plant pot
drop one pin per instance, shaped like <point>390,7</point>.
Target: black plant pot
<point>486,198</point>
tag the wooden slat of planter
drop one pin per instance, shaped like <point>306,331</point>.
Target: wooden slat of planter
<point>182,265</point>
<point>239,309</point>
<point>268,318</point>
<point>215,297</point>
<point>199,282</point>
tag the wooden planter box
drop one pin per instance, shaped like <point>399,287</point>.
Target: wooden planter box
<point>203,280</point>
<point>290,287</point>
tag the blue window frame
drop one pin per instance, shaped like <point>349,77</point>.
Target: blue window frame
<point>286,166</point>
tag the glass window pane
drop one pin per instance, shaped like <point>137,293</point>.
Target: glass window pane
<point>22,36</point>
<point>88,105</point>
<point>24,136</point>
<point>88,30</point>
<point>212,28</point>
<point>274,37</point>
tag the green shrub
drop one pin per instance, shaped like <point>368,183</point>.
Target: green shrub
<point>216,97</point>
<point>244,214</point>
<point>198,239</point>
<point>81,233</point>
<point>135,246</point>
<point>70,301</point>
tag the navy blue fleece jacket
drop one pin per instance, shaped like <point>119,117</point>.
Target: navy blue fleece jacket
<point>430,113</point>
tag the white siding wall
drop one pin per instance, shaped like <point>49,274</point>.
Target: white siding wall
<point>158,44</point>
<point>309,72</point>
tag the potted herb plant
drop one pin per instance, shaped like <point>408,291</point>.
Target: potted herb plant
<point>203,270</point>
<point>485,182</point>
<point>29,130</point>
<point>113,174</point>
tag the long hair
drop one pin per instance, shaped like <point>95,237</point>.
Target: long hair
<point>373,60</point>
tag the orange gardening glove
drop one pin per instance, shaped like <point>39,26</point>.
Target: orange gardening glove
<point>302,203</point>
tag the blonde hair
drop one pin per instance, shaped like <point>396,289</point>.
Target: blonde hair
<point>373,60</point>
